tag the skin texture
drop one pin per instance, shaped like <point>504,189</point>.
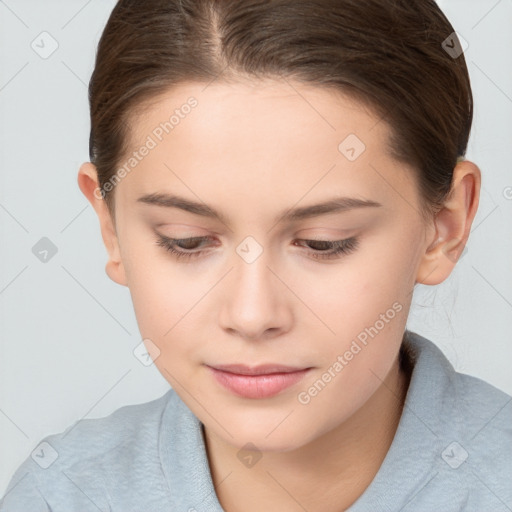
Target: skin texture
<point>253,151</point>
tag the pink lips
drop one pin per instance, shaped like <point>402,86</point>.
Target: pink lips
<point>257,382</point>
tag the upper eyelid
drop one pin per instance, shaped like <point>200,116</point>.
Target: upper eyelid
<point>206,238</point>
<point>341,235</point>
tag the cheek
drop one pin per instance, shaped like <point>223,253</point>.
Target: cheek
<point>364,310</point>
<point>164,305</point>
<point>165,308</point>
<point>353,295</point>
<point>162,292</point>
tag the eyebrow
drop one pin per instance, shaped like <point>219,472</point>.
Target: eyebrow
<point>334,205</point>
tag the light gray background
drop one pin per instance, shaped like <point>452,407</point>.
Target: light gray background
<point>68,332</point>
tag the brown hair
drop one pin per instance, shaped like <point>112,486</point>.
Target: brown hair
<point>387,54</point>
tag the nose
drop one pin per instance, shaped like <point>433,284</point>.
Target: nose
<point>256,301</point>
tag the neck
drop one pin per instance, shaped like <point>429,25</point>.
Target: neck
<point>327,474</point>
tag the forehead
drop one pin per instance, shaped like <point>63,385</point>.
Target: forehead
<point>261,136</point>
<point>262,109</point>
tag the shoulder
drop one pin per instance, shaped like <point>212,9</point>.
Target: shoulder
<point>483,414</point>
<point>136,424</point>
<point>483,402</point>
<point>470,423</point>
<point>465,402</point>
<point>80,463</point>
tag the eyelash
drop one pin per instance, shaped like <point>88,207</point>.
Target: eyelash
<point>340,247</point>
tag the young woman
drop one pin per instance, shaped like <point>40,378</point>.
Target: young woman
<point>272,179</point>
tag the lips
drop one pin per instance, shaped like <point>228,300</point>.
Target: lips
<point>263,369</point>
<point>262,381</point>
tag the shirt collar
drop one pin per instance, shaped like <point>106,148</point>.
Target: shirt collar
<point>184,459</point>
<point>415,451</point>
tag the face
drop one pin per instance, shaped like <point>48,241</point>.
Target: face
<point>269,280</point>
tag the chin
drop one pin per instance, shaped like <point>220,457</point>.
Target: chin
<point>279,438</point>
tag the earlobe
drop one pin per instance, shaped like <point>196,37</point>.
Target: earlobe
<point>115,270</point>
<point>452,225</point>
<point>89,185</point>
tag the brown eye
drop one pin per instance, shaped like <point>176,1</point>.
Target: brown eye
<point>322,249</point>
<point>337,247</point>
<point>173,245</point>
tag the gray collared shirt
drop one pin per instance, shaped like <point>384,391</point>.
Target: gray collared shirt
<point>452,452</point>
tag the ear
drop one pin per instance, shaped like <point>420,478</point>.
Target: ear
<point>452,225</point>
<point>89,185</point>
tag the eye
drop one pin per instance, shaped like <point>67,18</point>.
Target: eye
<point>325,249</point>
<point>337,247</point>
<point>170,245</point>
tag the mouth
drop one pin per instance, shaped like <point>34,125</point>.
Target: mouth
<point>262,381</point>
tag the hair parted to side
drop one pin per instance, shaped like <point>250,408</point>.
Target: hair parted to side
<point>386,54</point>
